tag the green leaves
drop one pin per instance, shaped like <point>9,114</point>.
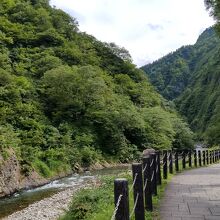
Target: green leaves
<point>191,77</point>
<point>69,100</point>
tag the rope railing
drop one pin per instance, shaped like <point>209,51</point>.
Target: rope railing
<point>157,169</point>
<point>145,184</point>
<point>152,163</point>
<point>134,181</point>
<point>135,205</point>
<point>144,168</point>
<point>116,207</point>
<point>146,178</point>
<point>169,163</point>
<point>152,176</point>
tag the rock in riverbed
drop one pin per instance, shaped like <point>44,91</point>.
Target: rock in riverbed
<point>49,208</point>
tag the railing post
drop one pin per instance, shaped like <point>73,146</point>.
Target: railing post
<point>195,158</point>
<point>207,157</point>
<point>200,158</point>
<point>210,156</point>
<point>147,184</point>
<point>213,157</point>
<point>165,164</point>
<point>203,156</point>
<point>153,174</point>
<point>138,191</point>
<point>190,158</point>
<point>121,199</point>
<point>184,159</point>
<point>159,181</point>
<point>177,161</point>
<point>171,162</point>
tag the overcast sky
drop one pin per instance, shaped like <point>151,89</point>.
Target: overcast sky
<point>148,29</point>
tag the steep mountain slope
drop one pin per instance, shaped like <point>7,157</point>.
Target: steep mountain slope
<point>173,73</point>
<point>200,102</point>
<point>191,75</point>
<point>67,99</point>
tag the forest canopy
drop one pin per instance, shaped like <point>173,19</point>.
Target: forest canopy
<point>67,98</point>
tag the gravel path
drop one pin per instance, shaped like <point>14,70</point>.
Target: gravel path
<point>49,208</point>
<point>193,195</point>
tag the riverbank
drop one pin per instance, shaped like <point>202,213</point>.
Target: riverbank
<point>98,203</point>
<point>50,208</point>
<point>14,180</point>
<point>21,201</point>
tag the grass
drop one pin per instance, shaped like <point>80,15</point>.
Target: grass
<point>98,203</point>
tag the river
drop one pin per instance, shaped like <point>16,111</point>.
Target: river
<point>21,200</point>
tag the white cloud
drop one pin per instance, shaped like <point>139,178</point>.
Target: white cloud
<point>149,29</point>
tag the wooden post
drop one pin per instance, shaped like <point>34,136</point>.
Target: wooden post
<point>200,158</point>
<point>147,184</point>
<point>190,158</point>
<point>184,159</point>
<point>210,156</point>
<point>170,162</point>
<point>195,158</point>
<point>159,181</point>
<point>177,161</point>
<point>213,157</point>
<point>138,191</point>
<point>207,157</point>
<point>153,174</point>
<point>165,164</point>
<point>121,193</point>
<point>203,156</point>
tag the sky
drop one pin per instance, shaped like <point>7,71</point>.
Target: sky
<point>148,29</point>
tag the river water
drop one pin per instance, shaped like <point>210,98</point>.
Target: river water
<point>21,200</point>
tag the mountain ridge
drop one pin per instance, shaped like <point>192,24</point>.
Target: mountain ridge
<point>190,77</point>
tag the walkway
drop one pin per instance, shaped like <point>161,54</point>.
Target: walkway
<point>192,195</point>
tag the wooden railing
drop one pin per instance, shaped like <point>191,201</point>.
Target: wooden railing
<point>149,174</point>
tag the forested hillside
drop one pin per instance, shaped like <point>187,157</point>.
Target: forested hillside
<point>173,73</point>
<point>67,98</point>
<point>191,76</point>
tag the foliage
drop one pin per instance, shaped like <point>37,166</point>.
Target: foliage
<point>172,74</point>
<point>67,99</point>
<point>196,91</point>
<point>98,203</point>
<point>213,6</point>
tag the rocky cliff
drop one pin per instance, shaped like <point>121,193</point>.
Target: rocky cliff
<point>12,179</point>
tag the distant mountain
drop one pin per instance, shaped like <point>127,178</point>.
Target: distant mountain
<point>191,76</point>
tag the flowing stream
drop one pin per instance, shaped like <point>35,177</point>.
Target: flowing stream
<point>20,200</point>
